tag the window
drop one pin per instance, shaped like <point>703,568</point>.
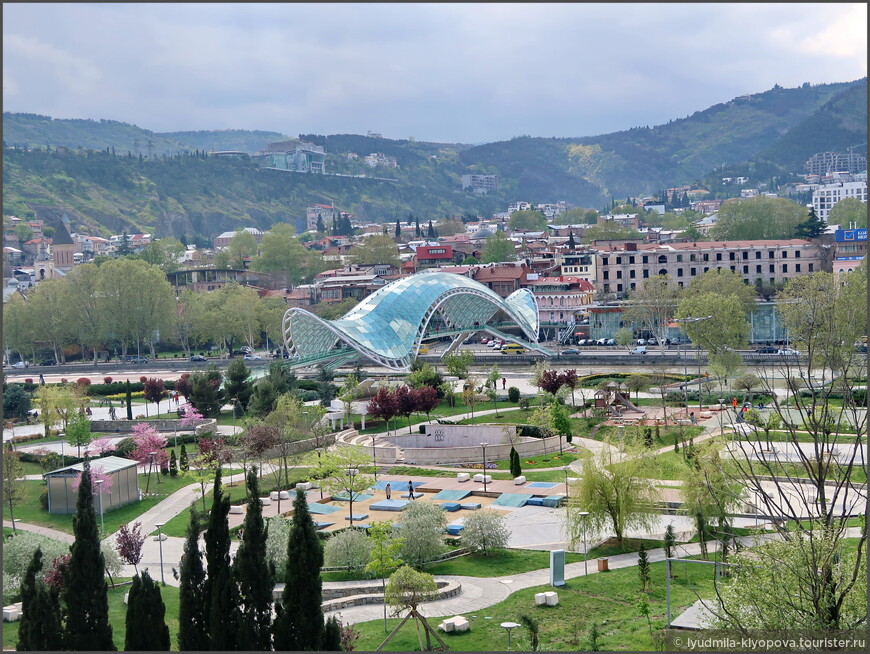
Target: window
<point>745,270</point>
<point>693,257</point>
<point>785,254</point>
<point>770,254</point>
<point>797,267</point>
<point>732,256</point>
<point>679,272</point>
<point>607,288</point>
<point>662,259</point>
<point>745,255</point>
<point>706,269</point>
<point>645,274</point>
<point>811,267</point>
<point>618,260</point>
<point>619,288</point>
<point>619,274</point>
<point>603,261</point>
<point>632,286</point>
<point>797,254</point>
<point>679,258</point>
<point>631,260</point>
<point>645,259</point>
<point>757,254</point>
<point>606,274</point>
<point>785,267</point>
<point>718,256</point>
<point>663,272</point>
<point>706,256</point>
<point>772,268</point>
<point>631,274</point>
<point>733,269</point>
<point>758,268</point>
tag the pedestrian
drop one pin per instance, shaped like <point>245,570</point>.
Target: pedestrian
<point>411,490</point>
<point>734,403</point>
<point>388,490</point>
<point>42,379</point>
<point>88,411</point>
<point>693,418</point>
<point>503,383</point>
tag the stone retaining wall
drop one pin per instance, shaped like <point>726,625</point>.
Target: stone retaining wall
<point>126,426</point>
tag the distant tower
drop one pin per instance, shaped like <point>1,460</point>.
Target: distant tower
<point>150,149</point>
<point>136,146</point>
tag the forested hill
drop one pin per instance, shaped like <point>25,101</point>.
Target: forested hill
<point>159,191</point>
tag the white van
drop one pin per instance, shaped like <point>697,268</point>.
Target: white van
<point>640,349</point>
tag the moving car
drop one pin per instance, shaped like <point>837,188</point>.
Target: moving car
<point>766,350</point>
<point>48,362</point>
<point>513,348</point>
<point>252,357</point>
<point>788,352</point>
<point>198,357</point>
<point>21,364</point>
<point>640,349</point>
<point>424,349</point>
<point>571,350</point>
<point>135,358</point>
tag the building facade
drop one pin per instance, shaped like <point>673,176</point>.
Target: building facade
<point>828,195</point>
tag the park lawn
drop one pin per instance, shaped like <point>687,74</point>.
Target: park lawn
<point>665,438</point>
<point>608,599</point>
<point>443,410</point>
<point>806,437</point>
<point>668,465</point>
<point>117,617</point>
<point>30,511</point>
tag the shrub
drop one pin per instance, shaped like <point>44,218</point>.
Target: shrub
<point>532,431</point>
<point>308,396</point>
<point>84,382</point>
<point>514,394</point>
<point>524,403</point>
<point>18,551</point>
<point>485,530</point>
<point>124,448</point>
<point>107,380</point>
<point>43,499</point>
<point>348,549</point>
<point>422,528</point>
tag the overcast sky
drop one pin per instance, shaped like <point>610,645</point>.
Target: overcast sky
<point>467,73</point>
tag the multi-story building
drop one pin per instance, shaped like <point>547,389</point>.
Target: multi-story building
<point>380,159</point>
<point>577,264</point>
<point>561,299</point>
<point>504,278</point>
<point>850,249</point>
<point>480,183</point>
<point>224,239</point>
<point>827,195</point>
<point>297,156</point>
<point>620,268</point>
<point>824,163</point>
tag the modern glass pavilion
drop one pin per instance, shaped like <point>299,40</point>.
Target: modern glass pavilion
<point>389,325</point>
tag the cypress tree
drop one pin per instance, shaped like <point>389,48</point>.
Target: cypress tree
<point>321,228</point>
<point>183,463</point>
<point>299,620</point>
<point>332,636</point>
<point>253,574</point>
<point>398,229</point>
<point>516,469</point>
<point>572,244</point>
<point>218,592</point>
<point>146,624</point>
<point>192,636</point>
<point>173,464</point>
<point>129,396</point>
<point>643,568</point>
<point>86,592</point>
<point>40,627</point>
<point>431,231</point>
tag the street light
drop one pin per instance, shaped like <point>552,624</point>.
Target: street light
<point>483,445</point>
<point>99,483</point>
<point>160,541</point>
<point>583,516</point>
<point>374,457</point>
<point>62,437</point>
<point>693,320</point>
<point>352,473</point>
<point>235,404</point>
<point>319,450</point>
<point>509,626</point>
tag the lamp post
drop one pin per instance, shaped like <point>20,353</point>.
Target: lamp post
<point>160,541</point>
<point>583,516</point>
<point>100,483</point>
<point>319,450</point>
<point>62,457</point>
<point>150,466</point>
<point>693,320</point>
<point>374,457</point>
<point>235,404</point>
<point>483,445</point>
<point>351,472</point>
<point>509,626</point>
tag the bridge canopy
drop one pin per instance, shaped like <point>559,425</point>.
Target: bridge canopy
<point>389,325</point>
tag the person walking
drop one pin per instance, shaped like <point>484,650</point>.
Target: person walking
<point>734,403</point>
<point>411,490</point>
<point>503,383</point>
<point>388,490</point>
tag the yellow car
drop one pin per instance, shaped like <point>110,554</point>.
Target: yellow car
<point>513,348</point>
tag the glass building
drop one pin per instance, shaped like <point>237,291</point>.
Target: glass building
<point>389,325</point>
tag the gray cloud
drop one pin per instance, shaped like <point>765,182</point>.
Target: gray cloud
<point>443,72</point>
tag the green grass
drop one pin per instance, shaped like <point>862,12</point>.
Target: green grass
<point>117,617</point>
<point>804,437</point>
<point>607,599</point>
<point>666,434</point>
<point>400,424</point>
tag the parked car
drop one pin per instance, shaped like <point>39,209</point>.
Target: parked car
<point>610,341</point>
<point>247,349</point>
<point>640,349</point>
<point>484,340</point>
<point>640,341</point>
<point>21,364</point>
<point>252,357</point>
<point>571,350</point>
<point>198,357</point>
<point>788,352</point>
<point>651,341</point>
<point>48,362</point>
<point>769,349</point>
<point>601,341</point>
<point>582,341</point>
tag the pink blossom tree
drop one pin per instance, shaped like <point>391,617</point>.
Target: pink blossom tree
<point>55,577</point>
<point>100,446</point>
<point>149,440</point>
<point>129,543</point>
<point>97,474</point>
<point>189,415</point>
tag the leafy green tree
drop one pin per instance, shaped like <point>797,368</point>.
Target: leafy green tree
<point>173,464</point>
<point>192,627</point>
<point>498,248</point>
<point>85,314</point>
<point>164,253</point>
<point>183,463</point>
<point>85,593</point>
<point>253,575</point>
<point>724,282</point>
<point>406,589</point>
<point>614,490</point>
<point>342,464</point>
<point>376,249</point>
<point>284,256</point>
<point>758,218</point>
<point>728,327</point>
<point>299,622</point>
<point>643,568</point>
<point>384,555</point>
<point>457,364</point>
<point>347,549</point>
<point>40,626</point>
<point>422,529</point>
<point>242,246</point>
<point>13,486</point>
<point>332,635</point>
<point>146,613</point>
<point>848,211</point>
<point>206,396</point>
<point>576,217</point>
<point>220,595</point>
<point>486,531</point>
<point>609,231</point>
<point>529,219</point>
<point>623,337</point>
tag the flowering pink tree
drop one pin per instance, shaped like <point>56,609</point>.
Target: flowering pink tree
<point>100,446</point>
<point>129,544</point>
<point>149,440</point>
<point>189,415</point>
<point>97,474</point>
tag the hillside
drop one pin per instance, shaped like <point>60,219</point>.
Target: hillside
<point>107,191</point>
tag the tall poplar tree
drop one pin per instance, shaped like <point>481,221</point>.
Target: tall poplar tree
<point>40,627</point>
<point>128,395</point>
<point>219,591</point>
<point>192,635</point>
<point>299,621</point>
<point>254,576</point>
<point>146,617</point>
<point>86,592</point>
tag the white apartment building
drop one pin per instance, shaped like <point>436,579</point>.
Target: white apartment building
<point>827,195</point>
